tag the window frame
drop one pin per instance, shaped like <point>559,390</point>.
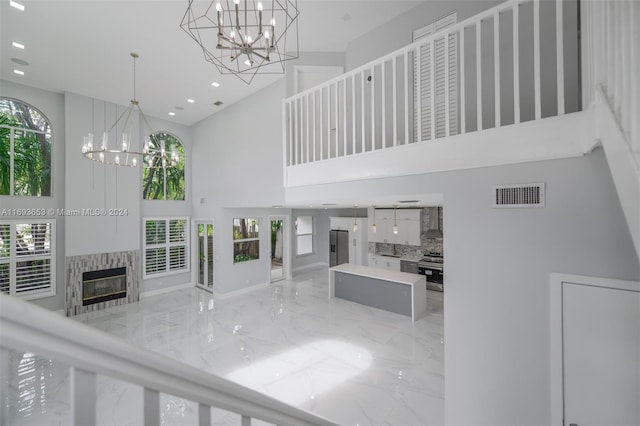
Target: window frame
<point>167,245</point>
<point>311,234</point>
<point>246,240</point>
<point>13,259</point>
<point>183,160</point>
<point>12,150</point>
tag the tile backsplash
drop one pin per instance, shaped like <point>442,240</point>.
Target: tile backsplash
<point>427,244</point>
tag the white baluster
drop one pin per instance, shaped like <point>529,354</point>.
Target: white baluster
<point>496,66</point>
<point>516,64</point>
<point>83,397</point>
<point>536,58</point>
<point>560,56</point>
<point>151,407</point>
<point>204,415</point>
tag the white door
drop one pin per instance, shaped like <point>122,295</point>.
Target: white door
<point>601,355</point>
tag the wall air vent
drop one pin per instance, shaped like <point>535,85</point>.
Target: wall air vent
<point>408,201</point>
<point>518,196</point>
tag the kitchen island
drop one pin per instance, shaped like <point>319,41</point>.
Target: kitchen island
<point>399,292</point>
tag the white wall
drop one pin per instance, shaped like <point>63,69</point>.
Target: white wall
<point>92,185</point>
<point>497,270</point>
<point>397,32</point>
<point>52,106</point>
<point>320,253</point>
<point>239,152</point>
<point>236,167</point>
<point>311,59</point>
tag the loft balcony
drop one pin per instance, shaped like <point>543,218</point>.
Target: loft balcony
<point>501,87</point>
<point>526,80</point>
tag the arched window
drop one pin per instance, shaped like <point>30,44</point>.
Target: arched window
<point>160,183</point>
<point>25,132</point>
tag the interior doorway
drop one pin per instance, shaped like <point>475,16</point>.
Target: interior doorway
<point>204,255</point>
<point>277,271</point>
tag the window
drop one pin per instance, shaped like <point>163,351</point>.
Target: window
<point>27,258</point>
<point>166,246</point>
<point>25,150</point>
<point>160,183</point>
<point>304,235</point>
<point>246,239</point>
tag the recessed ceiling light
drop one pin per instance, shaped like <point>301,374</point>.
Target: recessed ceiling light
<point>18,45</point>
<point>172,114</point>
<point>16,5</point>
<point>18,72</point>
<point>215,84</point>
<point>247,63</point>
<point>20,62</point>
<point>190,101</point>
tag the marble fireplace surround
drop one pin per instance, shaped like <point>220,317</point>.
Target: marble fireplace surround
<point>76,265</point>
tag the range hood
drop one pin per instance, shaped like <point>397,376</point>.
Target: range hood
<point>433,230</point>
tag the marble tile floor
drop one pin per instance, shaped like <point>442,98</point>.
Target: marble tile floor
<point>353,364</point>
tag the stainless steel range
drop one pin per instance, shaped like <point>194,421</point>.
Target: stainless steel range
<point>432,266</point>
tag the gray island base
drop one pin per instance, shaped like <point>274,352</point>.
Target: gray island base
<point>399,292</point>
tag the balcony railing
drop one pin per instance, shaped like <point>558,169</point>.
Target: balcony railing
<point>512,63</point>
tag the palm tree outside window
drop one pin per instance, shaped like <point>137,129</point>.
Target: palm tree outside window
<point>25,150</point>
<point>164,183</point>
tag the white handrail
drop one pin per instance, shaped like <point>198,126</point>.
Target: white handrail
<point>30,328</point>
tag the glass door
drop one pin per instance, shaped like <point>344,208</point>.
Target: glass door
<point>205,255</point>
<point>277,250</point>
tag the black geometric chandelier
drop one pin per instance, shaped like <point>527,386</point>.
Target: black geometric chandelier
<point>244,37</point>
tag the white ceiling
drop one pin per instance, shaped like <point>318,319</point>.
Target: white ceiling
<point>83,46</point>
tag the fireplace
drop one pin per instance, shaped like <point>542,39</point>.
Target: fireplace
<point>104,285</point>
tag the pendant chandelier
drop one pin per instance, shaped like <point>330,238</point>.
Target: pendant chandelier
<point>153,155</point>
<point>244,37</point>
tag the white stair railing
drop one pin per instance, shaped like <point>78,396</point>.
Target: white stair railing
<point>28,328</point>
<point>611,62</point>
<point>437,87</point>
<point>611,90</point>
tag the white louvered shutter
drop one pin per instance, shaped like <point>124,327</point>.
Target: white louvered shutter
<point>27,258</point>
<point>166,246</point>
<point>5,258</point>
<point>424,87</point>
<point>177,240</point>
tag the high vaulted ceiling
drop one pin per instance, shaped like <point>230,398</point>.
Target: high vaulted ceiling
<point>83,46</point>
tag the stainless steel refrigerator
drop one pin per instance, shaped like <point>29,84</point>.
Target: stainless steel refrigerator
<point>338,247</point>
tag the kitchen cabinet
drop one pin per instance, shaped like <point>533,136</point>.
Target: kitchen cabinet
<point>410,266</point>
<point>409,227</point>
<point>358,240</point>
<point>384,262</point>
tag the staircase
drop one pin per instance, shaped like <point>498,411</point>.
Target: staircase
<point>611,93</point>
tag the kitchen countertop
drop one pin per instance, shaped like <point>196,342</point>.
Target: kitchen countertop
<point>381,274</point>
